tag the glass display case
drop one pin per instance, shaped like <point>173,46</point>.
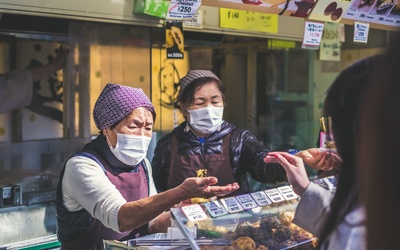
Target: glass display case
<point>258,220</point>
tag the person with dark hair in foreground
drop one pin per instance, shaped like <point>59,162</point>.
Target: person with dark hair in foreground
<point>379,151</point>
<point>338,218</point>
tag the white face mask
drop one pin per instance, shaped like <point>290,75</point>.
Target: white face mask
<point>206,120</point>
<point>130,149</point>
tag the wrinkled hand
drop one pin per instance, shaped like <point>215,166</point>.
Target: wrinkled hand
<point>320,159</point>
<point>61,57</point>
<point>295,170</point>
<point>202,187</point>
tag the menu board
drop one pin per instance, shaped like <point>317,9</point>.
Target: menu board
<point>384,12</point>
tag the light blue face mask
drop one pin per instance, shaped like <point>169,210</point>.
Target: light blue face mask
<point>130,149</point>
<point>206,120</point>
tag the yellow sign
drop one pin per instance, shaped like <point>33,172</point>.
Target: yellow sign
<point>248,20</point>
<point>281,44</point>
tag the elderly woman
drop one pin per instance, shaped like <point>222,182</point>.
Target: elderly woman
<point>106,191</point>
<point>206,144</point>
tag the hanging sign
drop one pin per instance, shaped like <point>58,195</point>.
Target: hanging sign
<point>248,20</point>
<point>329,11</point>
<point>183,9</point>
<point>330,45</point>
<point>196,22</point>
<point>312,35</point>
<point>361,32</point>
<point>375,11</point>
<point>174,41</point>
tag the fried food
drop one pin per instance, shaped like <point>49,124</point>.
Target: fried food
<point>178,37</point>
<point>244,243</point>
<point>286,218</point>
<point>169,40</point>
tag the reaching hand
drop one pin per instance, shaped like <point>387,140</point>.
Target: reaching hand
<point>202,187</point>
<point>295,170</point>
<point>319,159</point>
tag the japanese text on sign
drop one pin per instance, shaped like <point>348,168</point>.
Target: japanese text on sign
<point>361,32</point>
<point>312,35</point>
<point>248,20</point>
<point>183,9</point>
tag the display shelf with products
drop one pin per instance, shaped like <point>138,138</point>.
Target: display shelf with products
<point>258,220</point>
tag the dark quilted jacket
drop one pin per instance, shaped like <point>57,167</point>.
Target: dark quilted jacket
<point>246,154</point>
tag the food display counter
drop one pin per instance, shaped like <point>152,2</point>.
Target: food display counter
<point>258,220</point>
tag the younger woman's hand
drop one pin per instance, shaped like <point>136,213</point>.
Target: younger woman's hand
<point>295,170</point>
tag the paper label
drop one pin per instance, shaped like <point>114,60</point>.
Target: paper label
<point>321,183</point>
<point>194,212</point>
<point>183,9</point>
<point>215,208</point>
<point>261,198</point>
<point>232,205</point>
<point>331,181</point>
<point>274,195</point>
<point>196,22</point>
<point>287,193</point>
<point>246,201</point>
<point>361,32</point>
<point>312,35</point>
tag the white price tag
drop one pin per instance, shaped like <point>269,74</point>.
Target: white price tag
<point>232,205</point>
<point>361,32</point>
<point>196,22</point>
<point>274,195</point>
<point>215,208</point>
<point>322,183</point>
<point>194,212</point>
<point>261,198</point>
<point>246,201</point>
<point>331,181</point>
<point>312,35</point>
<point>183,9</point>
<point>287,193</point>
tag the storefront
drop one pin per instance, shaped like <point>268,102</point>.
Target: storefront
<point>275,88</point>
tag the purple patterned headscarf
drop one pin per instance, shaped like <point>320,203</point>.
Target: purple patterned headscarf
<point>116,102</point>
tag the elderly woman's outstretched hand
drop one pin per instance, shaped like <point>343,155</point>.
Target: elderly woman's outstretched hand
<point>295,170</point>
<point>203,187</point>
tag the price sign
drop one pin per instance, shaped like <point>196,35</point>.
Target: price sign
<point>287,193</point>
<point>321,183</point>
<point>183,9</point>
<point>331,182</point>
<point>215,208</point>
<point>312,35</point>
<point>261,198</point>
<point>232,205</point>
<point>246,201</point>
<point>361,32</point>
<point>194,212</point>
<point>274,195</point>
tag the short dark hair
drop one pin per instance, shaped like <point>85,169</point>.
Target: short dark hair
<point>187,96</point>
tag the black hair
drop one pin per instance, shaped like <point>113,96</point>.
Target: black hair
<point>342,103</point>
<point>187,96</point>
